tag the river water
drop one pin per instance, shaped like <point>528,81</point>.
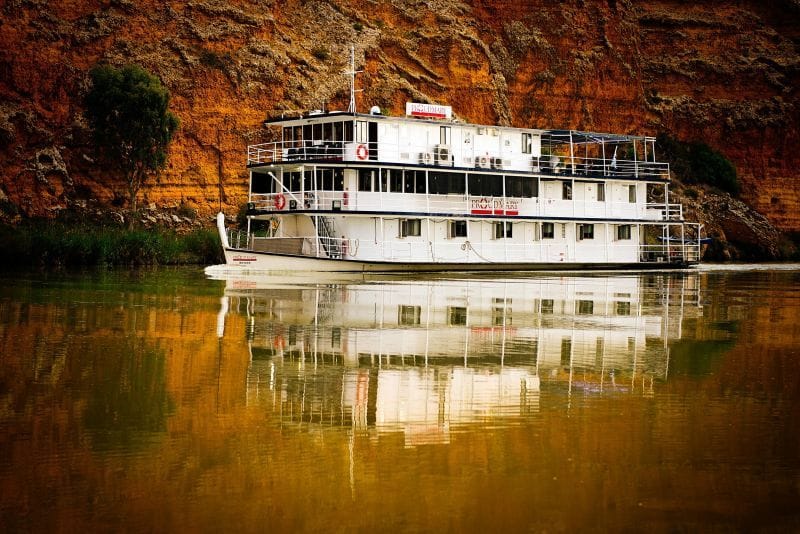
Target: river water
<point>175,400</point>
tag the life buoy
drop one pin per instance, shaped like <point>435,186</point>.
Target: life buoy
<point>362,152</point>
<point>280,201</point>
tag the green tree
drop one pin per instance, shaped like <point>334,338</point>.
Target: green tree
<point>128,111</point>
<point>697,162</point>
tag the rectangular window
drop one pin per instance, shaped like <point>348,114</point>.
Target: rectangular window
<point>444,135</point>
<point>520,186</point>
<point>632,194</point>
<point>456,229</point>
<point>364,180</point>
<point>410,227</point>
<point>527,143</point>
<point>623,232</point>
<point>622,308</point>
<point>601,192</point>
<point>502,230</point>
<point>361,132</point>
<point>585,231</point>
<point>395,180</point>
<point>548,230</point>
<point>447,183</point>
<point>408,315</point>
<point>584,307</point>
<point>456,315</point>
<point>566,191</point>
<point>548,306</point>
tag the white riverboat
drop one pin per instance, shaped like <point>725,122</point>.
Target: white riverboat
<point>354,192</point>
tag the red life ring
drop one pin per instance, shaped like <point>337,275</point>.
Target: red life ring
<point>280,201</point>
<point>362,152</point>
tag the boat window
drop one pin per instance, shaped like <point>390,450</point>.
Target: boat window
<point>261,184</point>
<point>317,135</point>
<point>444,135</point>
<point>297,136</point>
<point>485,185</point>
<point>456,315</point>
<point>307,134</point>
<point>395,180</point>
<point>361,132</point>
<point>502,229</point>
<point>623,231</point>
<point>338,179</point>
<point>308,180</point>
<point>338,131</point>
<point>348,132</point>
<point>365,180</point>
<point>632,193</point>
<point>447,183</point>
<point>287,136</point>
<point>327,131</point>
<point>584,307</point>
<point>408,315</point>
<point>527,143</point>
<point>548,230</point>
<point>410,227</point>
<point>296,181</point>
<point>456,229</point>
<point>414,182</point>
<point>384,181</point>
<point>601,192</point>
<point>585,231</point>
<point>522,187</point>
<point>566,191</point>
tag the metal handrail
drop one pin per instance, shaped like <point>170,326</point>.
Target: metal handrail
<point>444,156</point>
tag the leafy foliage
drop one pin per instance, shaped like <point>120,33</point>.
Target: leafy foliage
<point>699,163</point>
<point>128,110</point>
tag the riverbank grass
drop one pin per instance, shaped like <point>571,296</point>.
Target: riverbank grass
<point>50,244</point>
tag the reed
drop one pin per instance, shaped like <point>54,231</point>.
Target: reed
<point>52,244</point>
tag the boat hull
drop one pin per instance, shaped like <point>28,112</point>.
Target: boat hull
<point>288,263</point>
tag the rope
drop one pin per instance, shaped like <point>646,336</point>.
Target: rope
<point>468,246</point>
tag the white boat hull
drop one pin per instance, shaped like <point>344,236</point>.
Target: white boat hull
<point>287,264</point>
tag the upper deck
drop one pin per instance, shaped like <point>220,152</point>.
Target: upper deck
<point>360,139</point>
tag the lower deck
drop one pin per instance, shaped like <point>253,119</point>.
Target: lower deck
<point>433,243</point>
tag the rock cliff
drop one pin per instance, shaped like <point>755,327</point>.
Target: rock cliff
<point>725,73</point>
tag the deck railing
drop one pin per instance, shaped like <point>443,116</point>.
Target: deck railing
<point>458,205</point>
<point>445,156</point>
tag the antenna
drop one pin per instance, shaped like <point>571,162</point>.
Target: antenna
<point>352,73</point>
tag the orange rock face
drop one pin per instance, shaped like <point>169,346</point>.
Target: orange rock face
<point>726,75</point>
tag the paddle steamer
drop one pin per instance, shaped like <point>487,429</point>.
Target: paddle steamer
<point>366,192</point>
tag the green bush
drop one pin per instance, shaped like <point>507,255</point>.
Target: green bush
<point>698,163</point>
<point>51,244</point>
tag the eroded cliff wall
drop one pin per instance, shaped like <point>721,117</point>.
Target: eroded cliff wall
<point>725,73</point>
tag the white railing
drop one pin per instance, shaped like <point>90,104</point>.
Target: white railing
<point>459,205</point>
<point>456,156</point>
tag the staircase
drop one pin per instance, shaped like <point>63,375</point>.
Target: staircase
<point>327,237</point>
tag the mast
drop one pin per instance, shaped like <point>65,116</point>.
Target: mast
<point>352,73</point>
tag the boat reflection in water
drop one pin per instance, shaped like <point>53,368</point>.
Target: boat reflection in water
<point>426,357</point>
